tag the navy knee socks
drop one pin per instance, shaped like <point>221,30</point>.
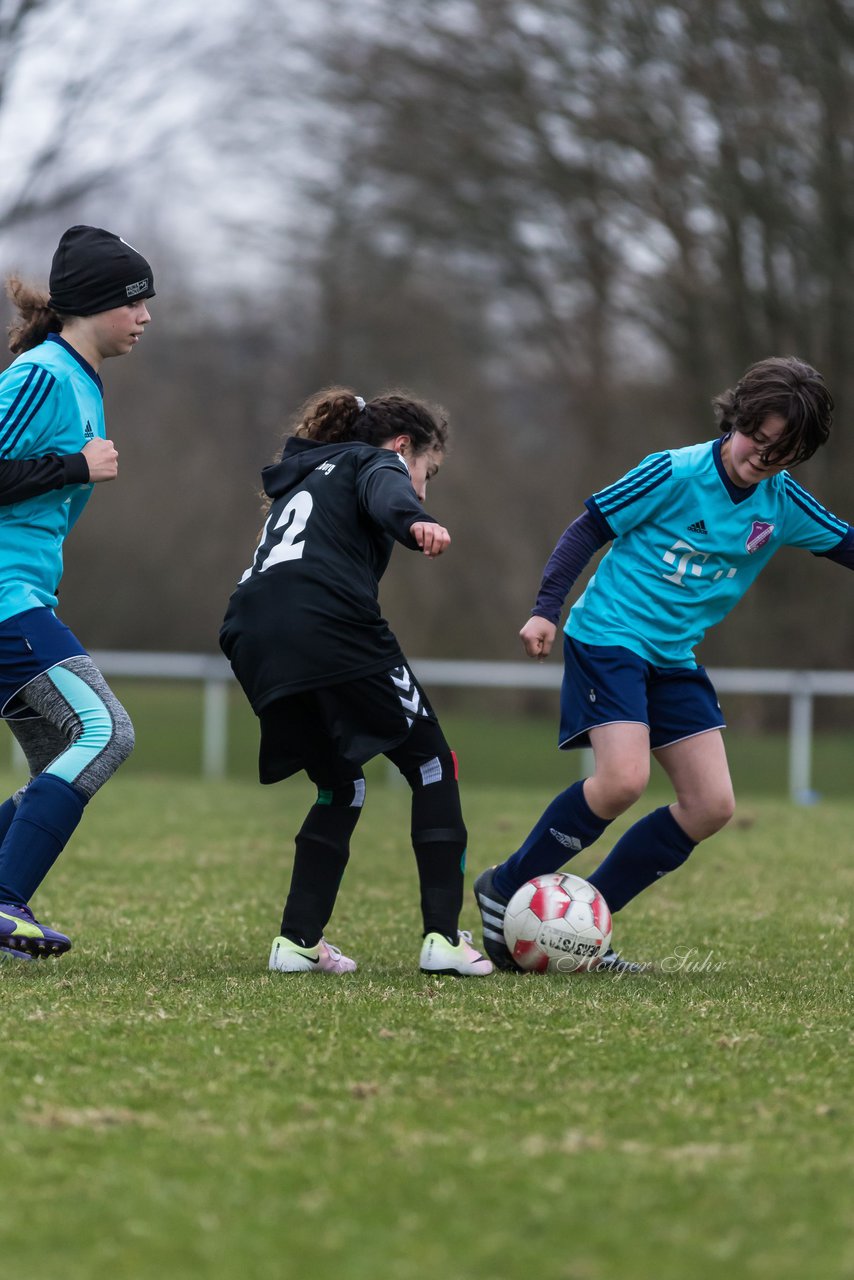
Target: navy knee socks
<point>43,823</point>
<point>654,846</point>
<point>567,826</point>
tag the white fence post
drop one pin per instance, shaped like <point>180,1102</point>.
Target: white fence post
<point>800,745</point>
<point>215,729</point>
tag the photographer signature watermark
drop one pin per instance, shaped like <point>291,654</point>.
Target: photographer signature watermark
<point>679,960</point>
<point>691,960</point>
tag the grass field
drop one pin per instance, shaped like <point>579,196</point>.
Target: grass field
<point>169,1106</point>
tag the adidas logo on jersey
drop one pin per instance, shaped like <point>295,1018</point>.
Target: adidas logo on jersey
<point>326,467</point>
<point>88,433</point>
<point>698,527</point>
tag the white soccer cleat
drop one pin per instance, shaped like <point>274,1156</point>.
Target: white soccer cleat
<point>287,957</point>
<point>439,956</point>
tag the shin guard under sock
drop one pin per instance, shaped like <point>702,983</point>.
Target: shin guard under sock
<point>8,809</point>
<point>322,853</point>
<point>567,826</point>
<point>440,875</point>
<point>46,818</point>
<point>654,846</point>
<point>439,839</point>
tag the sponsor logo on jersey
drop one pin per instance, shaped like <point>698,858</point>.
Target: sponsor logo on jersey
<point>88,433</point>
<point>698,527</point>
<point>326,467</point>
<point>133,290</point>
<point>759,535</point>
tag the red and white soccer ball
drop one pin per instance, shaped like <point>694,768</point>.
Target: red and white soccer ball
<point>557,924</point>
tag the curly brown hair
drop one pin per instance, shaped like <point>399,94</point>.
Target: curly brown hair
<point>784,386</point>
<point>337,414</point>
<point>35,319</point>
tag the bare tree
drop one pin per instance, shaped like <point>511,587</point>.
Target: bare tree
<point>82,104</point>
<point>13,15</point>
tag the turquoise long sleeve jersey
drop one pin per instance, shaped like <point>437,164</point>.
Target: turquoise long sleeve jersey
<point>51,402</point>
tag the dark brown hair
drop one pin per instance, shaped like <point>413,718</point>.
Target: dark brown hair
<point>336,415</point>
<point>35,318</point>
<point>784,386</point>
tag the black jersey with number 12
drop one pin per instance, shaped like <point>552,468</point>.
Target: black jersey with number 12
<point>305,613</point>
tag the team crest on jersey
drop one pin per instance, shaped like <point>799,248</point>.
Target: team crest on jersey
<point>759,535</point>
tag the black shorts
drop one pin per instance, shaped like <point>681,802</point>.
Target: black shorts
<point>348,724</point>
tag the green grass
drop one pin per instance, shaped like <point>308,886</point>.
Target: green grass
<point>169,1106</point>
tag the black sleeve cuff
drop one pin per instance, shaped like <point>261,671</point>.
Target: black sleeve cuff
<point>75,468</point>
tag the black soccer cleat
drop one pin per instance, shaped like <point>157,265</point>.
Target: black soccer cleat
<point>492,906</point>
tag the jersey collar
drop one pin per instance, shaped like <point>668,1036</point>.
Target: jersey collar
<point>84,364</point>
<point>736,493</point>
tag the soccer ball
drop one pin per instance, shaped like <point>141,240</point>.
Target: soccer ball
<point>557,924</point>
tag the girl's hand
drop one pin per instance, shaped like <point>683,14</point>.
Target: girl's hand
<point>431,538</point>
<point>101,459</point>
<point>538,636</point>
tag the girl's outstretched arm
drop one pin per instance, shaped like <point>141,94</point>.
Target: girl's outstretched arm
<point>575,547</point>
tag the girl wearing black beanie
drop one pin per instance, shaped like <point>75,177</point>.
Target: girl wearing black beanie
<point>53,449</point>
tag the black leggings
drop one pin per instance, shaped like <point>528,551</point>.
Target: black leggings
<point>438,834</point>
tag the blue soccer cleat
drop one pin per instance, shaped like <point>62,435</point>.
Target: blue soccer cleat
<point>20,931</point>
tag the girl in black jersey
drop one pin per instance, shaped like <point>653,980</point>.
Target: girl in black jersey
<point>326,676</point>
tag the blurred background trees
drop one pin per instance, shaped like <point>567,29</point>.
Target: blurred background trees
<point>570,221</point>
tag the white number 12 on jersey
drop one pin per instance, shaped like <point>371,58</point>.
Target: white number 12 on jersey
<point>291,522</point>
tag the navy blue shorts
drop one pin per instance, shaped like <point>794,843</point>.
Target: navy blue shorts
<point>30,643</point>
<point>607,684</point>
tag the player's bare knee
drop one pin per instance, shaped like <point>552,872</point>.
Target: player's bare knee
<point>707,815</point>
<point>617,792</point>
<point>721,812</point>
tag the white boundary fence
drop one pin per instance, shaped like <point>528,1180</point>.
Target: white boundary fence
<point>214,673</point>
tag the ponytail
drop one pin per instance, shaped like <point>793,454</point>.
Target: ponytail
<point>338,415</point>
<point>329,417</point>
<point>35,319</point>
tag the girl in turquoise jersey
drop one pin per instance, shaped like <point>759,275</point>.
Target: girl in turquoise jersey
<point>69,724</point>
<point>690,530</point>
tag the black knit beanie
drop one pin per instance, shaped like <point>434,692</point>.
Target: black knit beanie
<point>94,270</point>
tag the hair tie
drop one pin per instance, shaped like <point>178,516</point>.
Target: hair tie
<point>360,404</point>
